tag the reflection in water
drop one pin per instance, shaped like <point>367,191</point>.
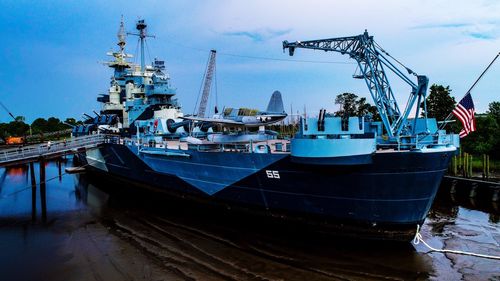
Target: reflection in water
<point>101,231</point>
<point>17,171</point>
<point>2,179</point>
<point>15,190</point>
<point>495,217</point>
<point>442,214</point>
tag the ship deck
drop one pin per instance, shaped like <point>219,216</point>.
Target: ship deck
<point>276,146</point>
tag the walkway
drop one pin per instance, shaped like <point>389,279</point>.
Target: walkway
<point>30,153</point>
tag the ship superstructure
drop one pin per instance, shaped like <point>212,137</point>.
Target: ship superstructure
<point>137,91</point>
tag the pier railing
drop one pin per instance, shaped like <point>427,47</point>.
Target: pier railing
<point>29,152</point>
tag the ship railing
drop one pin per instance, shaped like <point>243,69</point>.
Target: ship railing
<point>115,139</point>
<point>247,147</point>
<point>419,142</point>
<point>223,147</point>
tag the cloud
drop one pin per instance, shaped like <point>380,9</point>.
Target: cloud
<point>260,35</point>
<point>478,35</point>
<point>441,25</point>
<point>483,31</point>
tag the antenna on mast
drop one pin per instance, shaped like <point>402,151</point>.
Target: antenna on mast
<point>121,36</point>
<point>141,27</point>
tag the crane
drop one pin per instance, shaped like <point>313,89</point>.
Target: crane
<point>207,83</point>
<point>4,107</point>
<point>371,62</point>
<point>11,139</point>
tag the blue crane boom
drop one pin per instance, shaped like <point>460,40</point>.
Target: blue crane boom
<point>371,62</point>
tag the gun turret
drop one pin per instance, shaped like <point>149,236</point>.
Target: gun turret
<point>172,126</point>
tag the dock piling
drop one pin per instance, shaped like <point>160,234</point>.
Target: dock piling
<point>473,190</point>
<point>496,196</point>
<point>470,166</point>
<point>455,168</point>
<point>464,164</point>
<point>487,166</point>
<point>59,168</point>
<point>33,192</point>
<point>43,191</point>
<point>484,166</point>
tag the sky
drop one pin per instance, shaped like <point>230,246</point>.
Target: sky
<point>51,52</point>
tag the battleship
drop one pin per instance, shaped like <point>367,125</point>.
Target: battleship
<point>357,176</point>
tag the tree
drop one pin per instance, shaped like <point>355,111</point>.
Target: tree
<point>486,138</point>
<point>71,121</point>
<point>350,105</point>
<point>3,131</point>
<point>13,129</point>
<point>347,102</point>
<point>439,102</point>
<point>365,108</point>
<point>19,129</point>
<point>39,126</point>
<point>494,110</point>
<point>54,124</point>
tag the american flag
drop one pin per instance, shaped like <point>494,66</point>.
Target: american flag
<point>465,113</point>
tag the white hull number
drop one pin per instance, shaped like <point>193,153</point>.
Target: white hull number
<point>272,174</point>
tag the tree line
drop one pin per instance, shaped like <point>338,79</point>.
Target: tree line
<point>19,128</point>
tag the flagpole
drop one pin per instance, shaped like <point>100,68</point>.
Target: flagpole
<point>470,89</point>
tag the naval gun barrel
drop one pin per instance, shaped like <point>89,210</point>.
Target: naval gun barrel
<point>88,116</point>
<point>172,126</point>
<point>204,126</point>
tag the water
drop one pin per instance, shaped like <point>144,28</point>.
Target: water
<point>94,232</point>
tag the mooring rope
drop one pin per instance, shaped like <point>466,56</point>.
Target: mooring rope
<point>418,238</point>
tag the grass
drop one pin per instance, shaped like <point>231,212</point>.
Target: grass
<point>477,164</point>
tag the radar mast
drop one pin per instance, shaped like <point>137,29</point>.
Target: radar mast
<point>121,36</point>
<point>141,27</point>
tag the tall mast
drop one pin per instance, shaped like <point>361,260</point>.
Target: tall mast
<point>141,27</point>
<point>121,36</point>
<point>120,56</point>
